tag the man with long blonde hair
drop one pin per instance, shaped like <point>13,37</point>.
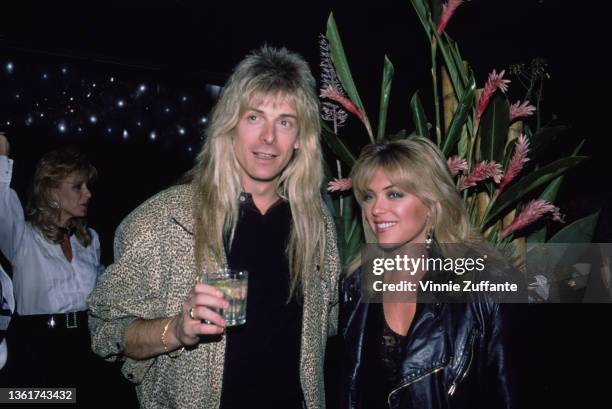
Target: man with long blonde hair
<point>253,203</point>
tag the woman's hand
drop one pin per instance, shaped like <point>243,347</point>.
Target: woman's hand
<point>197,317</point>
<point>4,145</point>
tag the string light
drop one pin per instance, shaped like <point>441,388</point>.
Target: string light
<point>76,104</point>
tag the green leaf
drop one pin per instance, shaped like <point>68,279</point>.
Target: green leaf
<point>353,245</point>
<point>341,64</point>
<point>566,247</point>
<point>385,92</point>
<point>422,10</point>
<point>453,73</point>
<point>329,203</point>
<point>550,194</point>
<point>494,127</point>
<point>453,51</point>
<point>436,9</point>
<point>580,231</point>
<point>461,114</point>
<point>337,146</point>
<point>418,115</point>
<point>529,183</point>
<point>347,215</point>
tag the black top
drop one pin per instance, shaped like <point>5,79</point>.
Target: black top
<point>262,356</point>
<point>382,359</point>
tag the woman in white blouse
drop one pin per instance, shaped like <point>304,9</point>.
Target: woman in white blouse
<point>55,260</point>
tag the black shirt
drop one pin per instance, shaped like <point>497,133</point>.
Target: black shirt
<point>262,356</point>
<point>382,357</point>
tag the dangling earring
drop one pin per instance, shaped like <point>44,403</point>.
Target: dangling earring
<point>54,204</point>
<point>429,239</point>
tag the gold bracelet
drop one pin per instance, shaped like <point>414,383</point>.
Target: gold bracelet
<point>163,340</point>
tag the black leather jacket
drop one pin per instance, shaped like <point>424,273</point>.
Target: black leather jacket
<point>457,355</point>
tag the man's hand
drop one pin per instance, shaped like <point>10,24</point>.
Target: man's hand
<point>144,338</point>
<point>197,317</point>
<point>4,145</point>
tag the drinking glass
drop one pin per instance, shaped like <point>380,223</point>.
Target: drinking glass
<point>233,284</point>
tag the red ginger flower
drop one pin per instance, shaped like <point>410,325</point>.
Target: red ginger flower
<point>519,110</point>
<point>456,164</point>
<point>448,9</point>
<point>484,170</point>
<point>494,82</point>
<point>332,93</point>
<point>532,212</point>
<point>516,163</point>
<point>340,185</point>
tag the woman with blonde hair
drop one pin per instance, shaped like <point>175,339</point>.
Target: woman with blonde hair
<point>55,260</point>
<point>414,346</point>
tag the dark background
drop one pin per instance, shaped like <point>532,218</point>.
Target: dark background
<point>177,47</point>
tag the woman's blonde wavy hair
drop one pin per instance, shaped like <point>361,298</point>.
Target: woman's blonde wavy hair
<point>417,166</point>
<point>267,72</point>
<point>43,210</point>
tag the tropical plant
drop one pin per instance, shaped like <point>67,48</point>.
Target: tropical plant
<point>507,187</point>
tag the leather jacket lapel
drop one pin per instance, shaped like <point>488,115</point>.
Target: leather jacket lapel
<point>427,345</point>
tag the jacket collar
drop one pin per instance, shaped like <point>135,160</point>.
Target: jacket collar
<point>426,347</point>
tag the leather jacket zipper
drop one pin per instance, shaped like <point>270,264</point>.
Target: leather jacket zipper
<point>411,382</point>
<point>460,378</point>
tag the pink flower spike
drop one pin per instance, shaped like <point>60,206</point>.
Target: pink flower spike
<point>456,164</point>
<point>495,81</point>
<point>333,94</point>
<point>518,110</point>
<point>340,185</point>
<point>484,170</point>
<point>517,162</point>
<point>532,212</point>
<point>448,9</point>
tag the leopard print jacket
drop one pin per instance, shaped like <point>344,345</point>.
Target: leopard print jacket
<point>153,272</point>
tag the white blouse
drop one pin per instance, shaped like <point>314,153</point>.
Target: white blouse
<point>44,281</point>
